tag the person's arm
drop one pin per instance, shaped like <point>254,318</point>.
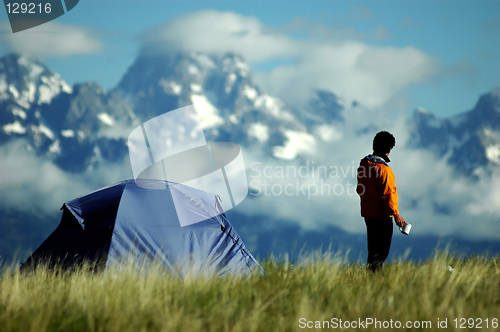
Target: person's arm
<point>389,192</point>
<point>387,182</point>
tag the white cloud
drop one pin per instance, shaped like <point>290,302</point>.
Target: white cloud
<point>52,39</point>
<point>432,197</point>
<point>216,32</point>
<point>30,181</point>
<point>352,69</point>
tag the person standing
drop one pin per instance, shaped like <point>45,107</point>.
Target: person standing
<point>379,199</point>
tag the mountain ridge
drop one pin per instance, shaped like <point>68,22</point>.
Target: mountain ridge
<point>76,126</point>
<point>471,140</point>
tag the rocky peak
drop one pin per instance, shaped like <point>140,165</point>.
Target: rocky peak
<point>27,81</point>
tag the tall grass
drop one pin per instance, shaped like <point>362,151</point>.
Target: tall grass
<point>289,297</point>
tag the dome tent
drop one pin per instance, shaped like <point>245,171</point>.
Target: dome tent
<point>125,221</point>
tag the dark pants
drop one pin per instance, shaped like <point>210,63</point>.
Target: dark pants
<point>379,231</point>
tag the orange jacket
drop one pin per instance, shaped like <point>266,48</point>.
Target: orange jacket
<point>377,188</point>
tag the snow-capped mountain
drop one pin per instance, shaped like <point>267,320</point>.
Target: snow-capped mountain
<point>231,106</point>
<point>28,82</point>
<point>470,140</point>
<point>72,126</point>
<point>24,85</point>
<point>89,125</point>
<point>81,126</point>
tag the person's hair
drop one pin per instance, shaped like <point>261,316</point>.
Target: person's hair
<point>383,142</point>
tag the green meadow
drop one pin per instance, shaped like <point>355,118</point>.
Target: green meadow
<point>322,291</point>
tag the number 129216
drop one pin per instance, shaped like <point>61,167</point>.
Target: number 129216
<point>470,323</point>
<point>28,8</point>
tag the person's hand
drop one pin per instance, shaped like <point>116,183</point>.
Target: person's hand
<point>399,220</point>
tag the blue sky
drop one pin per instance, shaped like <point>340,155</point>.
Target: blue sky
<point>458,41</point>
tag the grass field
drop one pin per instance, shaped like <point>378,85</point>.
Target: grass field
<point>290,297</point>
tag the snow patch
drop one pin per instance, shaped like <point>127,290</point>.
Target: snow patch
<point>46,131</point>
<point>259,131</point>
<point>23,103</point>
<point>51,88</point>
<point>233,119</point>
<point>487,132</point>
<point>14,91</point>
<point>66,88</point>
<point>273,106</point>
<point>493,153</point>
<point>170,86</point>
<point>55,147</point>
<point>250,92</point>
<point>231,78</point>
<point>19,112</point>
<point>68,133</point>
<point>176,88</point>
<point>35,70</point>
<point>15,127</point>
<point>46,94</point>
<point>195,87</point>
<point>297,142</point>
<point>208,113</point>
<point>31,92</point>
<point>106,119</point>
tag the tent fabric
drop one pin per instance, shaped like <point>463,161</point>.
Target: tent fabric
<point>125,222</point>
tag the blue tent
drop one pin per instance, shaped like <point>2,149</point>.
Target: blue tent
<point>126,222</point>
